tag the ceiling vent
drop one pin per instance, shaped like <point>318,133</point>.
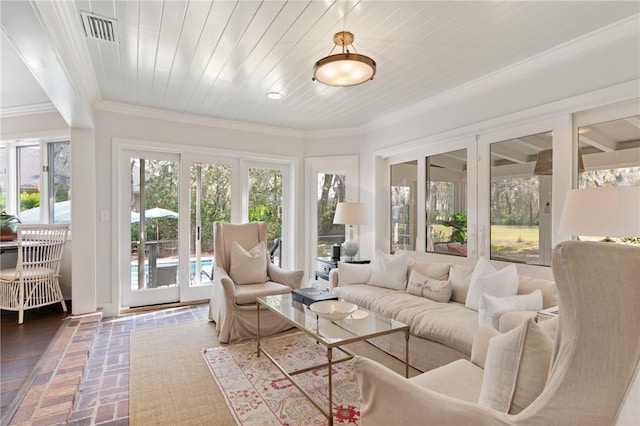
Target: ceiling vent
<point>99,28</point>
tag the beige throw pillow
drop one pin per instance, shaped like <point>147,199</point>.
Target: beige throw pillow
<point>516,368</point>
<point>423,286</point>
<point>248,267</point>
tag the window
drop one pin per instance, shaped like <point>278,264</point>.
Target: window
<point>446,206</point>
<point>404,186</point>
<point>35,180</point>
<point>521,179</point>
<point>609,155</point>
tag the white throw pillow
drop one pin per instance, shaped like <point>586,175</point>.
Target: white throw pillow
<point>423,286</point>
<point>486,279</point>
<point>516,368</point>
<point>389,271</point>
<point>248,267</point>
<point>491,307</point>
<point>353,273</point>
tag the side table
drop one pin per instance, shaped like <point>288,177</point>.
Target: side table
<point>326,264</point>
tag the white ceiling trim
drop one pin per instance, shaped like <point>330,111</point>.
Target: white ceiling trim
<point>623,94</point>
<point>179,117</point>
<point>619,30</point>
<point>27,110</point>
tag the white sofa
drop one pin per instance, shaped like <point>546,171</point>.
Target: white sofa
<point>440,332</point>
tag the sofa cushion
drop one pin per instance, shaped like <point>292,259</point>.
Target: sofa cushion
<point>459,379</point>
<point>491,307</point>
<point>549,290</point>
<point>388,271</point>
<point>424,286</point>
<point>516,368</point>
<point>362,294</point>
<point>395,303</point>
<point>248,266</point>
<point>353,273</point>
<point>247,293</point>
<point>435,270</point>
<point>450,324</point>
<point>486,279</point>
<point>460,277</point>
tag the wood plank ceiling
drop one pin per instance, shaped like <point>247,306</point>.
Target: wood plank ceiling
<point>221,58</point>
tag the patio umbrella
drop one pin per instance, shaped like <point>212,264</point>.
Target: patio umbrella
<point>155,214</point>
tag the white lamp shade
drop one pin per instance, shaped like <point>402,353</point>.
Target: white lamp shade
<point>351,214</point>
<point>612,211</point>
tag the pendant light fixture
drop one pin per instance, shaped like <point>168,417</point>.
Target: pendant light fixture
<point>346,68</point>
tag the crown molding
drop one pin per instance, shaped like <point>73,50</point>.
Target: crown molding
<point>618,30</point>
<point>27,110</point>
<point>198,120</point>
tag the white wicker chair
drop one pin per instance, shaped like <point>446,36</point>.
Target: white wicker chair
<point>34,282</point>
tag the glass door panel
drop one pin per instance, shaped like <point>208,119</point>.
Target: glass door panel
<point>154,263</point>
<point>331,191</point>
<point>265,205</point>
<point>210,201</point>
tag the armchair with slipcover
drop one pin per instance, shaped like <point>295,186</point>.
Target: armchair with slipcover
<point>243,272</point>
<point>587,376</point>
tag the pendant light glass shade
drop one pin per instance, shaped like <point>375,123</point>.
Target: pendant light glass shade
<point>346,68</point>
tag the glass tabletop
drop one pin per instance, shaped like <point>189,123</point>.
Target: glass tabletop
<point>360,325</point>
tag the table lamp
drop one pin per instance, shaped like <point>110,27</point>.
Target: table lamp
<point>611,211</point>
<point>351,214</point>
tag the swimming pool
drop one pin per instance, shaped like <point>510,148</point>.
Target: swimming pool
<point>206,264</point>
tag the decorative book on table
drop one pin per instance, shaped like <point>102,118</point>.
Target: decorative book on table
<point>310,295</point>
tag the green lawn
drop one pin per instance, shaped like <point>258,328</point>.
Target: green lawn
<point>519,243</point>
<point>514,234</point>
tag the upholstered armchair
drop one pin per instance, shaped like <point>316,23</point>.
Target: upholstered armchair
<point>590,369</point>
<point>243,272</point>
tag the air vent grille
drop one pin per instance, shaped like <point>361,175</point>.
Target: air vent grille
<point>99,27</point>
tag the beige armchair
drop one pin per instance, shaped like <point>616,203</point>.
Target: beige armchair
<point>242,273</point>
<point>593,374</point>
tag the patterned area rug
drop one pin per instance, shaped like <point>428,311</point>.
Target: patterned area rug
<point>257,393</point>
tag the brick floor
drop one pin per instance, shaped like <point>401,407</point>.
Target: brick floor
<point>85,379</point>
<point>103,397</point>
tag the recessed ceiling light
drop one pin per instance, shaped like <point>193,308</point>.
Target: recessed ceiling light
<point>274,95</point>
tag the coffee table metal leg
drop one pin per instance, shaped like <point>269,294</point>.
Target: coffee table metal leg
<point>258,332</point>
<point>406,354</point>
<point>329,360</point>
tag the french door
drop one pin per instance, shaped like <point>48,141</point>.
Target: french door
<point>167,209</point>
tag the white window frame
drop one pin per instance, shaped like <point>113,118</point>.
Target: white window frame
<point>11,169</point>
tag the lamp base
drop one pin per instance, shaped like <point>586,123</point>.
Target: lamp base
<point>351,248</point>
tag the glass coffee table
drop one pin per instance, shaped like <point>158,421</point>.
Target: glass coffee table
<point>361,325</point>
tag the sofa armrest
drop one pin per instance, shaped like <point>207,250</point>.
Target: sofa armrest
<point>292,279</point>
<point>388,398</point>
<point>333,278</point>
